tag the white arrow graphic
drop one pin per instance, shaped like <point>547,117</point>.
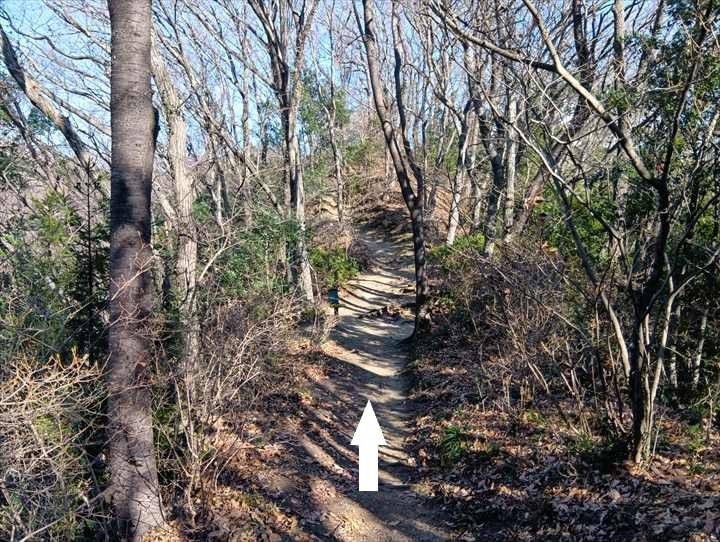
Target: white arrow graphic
<point>368,436</point>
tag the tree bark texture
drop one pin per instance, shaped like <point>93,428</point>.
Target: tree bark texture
<point>133,471</point>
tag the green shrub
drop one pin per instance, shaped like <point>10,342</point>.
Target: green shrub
<point>250,268</point>
<point>535,418</point>
<point>602,453</point>
<point>453,445</point>
<point>696,439</point>
<point>333,266</point>
<point>46,303</point>
<point>454,258</point>
<point>584,443</point>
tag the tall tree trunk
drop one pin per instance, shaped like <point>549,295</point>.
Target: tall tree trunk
<point>331,117</point>
<point>213,181</point>
<point>479,190</point>
<point>486,136</point>
<point>672,359</point>
<point>493,200</point>
<point>641,398</point>
<point>337,163</point>
<point>510,168</point>
<point>478,181</point>
<point>458,187</point>
<point>697,358</point>
<point>438,162</point>
<point>184,196</point>
<point>297,203</point>
<point>131,453</point>
<point>216,180</point>
<point>405,167</point>
<point>388,177</point>
<point>287,86</point>
<point>586,62</point>
<point>458,184</point>
<point>247,191</point>
<point>185,276</point>
<point>621,181</point>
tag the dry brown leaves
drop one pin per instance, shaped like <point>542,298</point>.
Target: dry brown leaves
<point>524,474</point>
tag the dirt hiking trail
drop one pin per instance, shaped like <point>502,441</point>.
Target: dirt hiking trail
<point>368,340</point>
<point>368,361</point>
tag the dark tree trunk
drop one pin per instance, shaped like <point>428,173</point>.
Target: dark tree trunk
<point>510,168</point>
<point>642,404</point>
<point>486,136</point>
<point>422,317</point>
<point>493,201</point>
<point>462,170</point>
<point>133,471</point>
<point>586,62</point>
<point>406,168</point>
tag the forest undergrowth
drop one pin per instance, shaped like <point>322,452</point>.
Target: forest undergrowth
<point>519,433</point>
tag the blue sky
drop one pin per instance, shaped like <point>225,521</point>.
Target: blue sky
<point>30,14</point>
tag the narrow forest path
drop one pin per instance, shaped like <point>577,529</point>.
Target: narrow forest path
<point>367,361</point>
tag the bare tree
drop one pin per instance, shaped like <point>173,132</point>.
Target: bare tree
<point>278,18</point>
<point>184,198</point>
<point>36,94</point>
<point>511,150</point>
<point>649,290</point>
<point>407,168</point>
<point>584,60</point>
<point>329,104</point>
<point>131,451</point>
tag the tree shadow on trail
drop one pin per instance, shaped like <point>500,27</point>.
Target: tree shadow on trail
<point>316,479</point>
